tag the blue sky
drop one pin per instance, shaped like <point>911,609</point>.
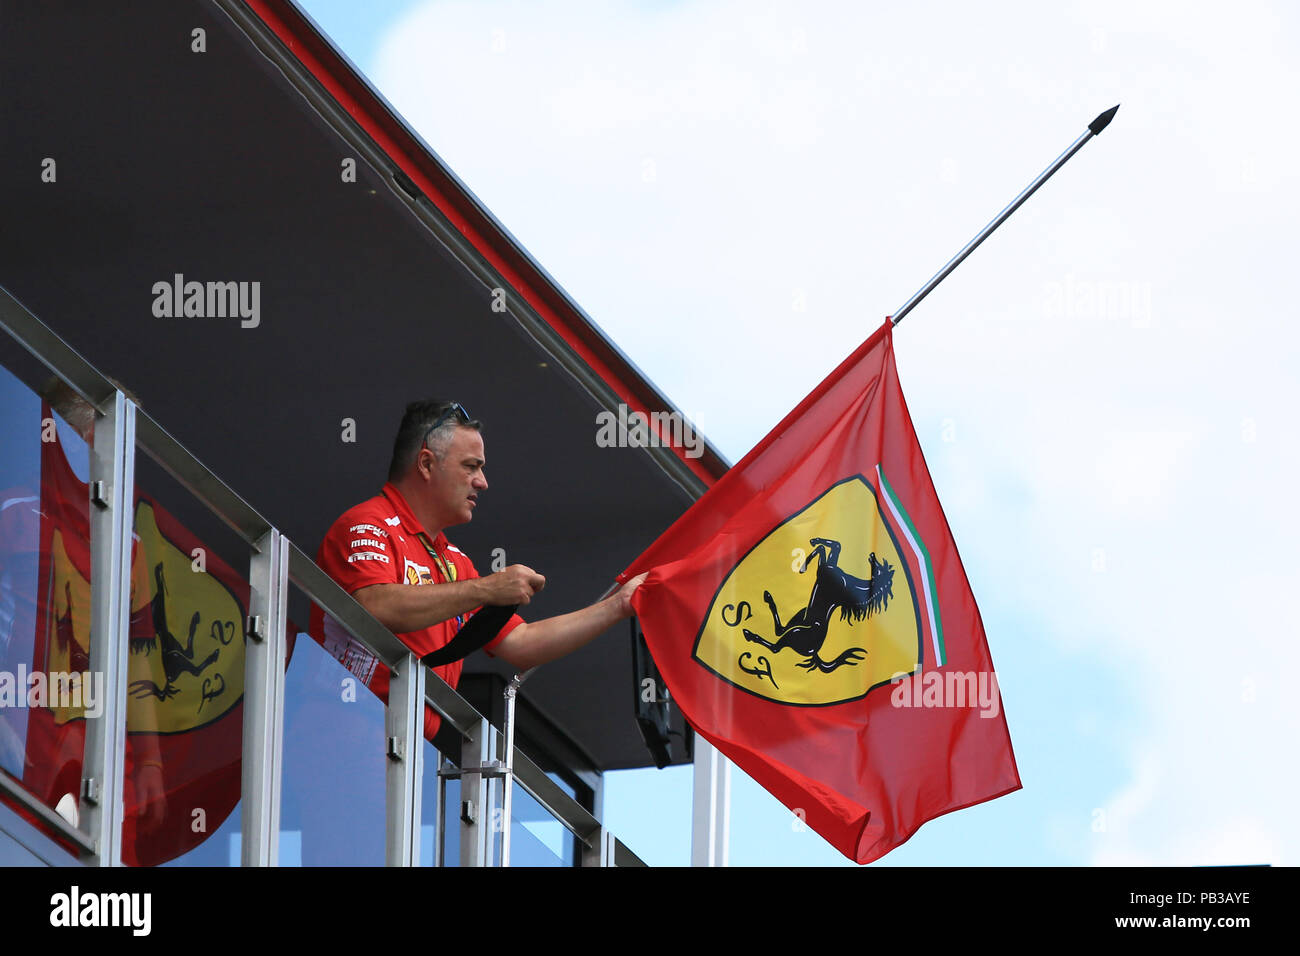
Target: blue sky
<point>1105,391</point>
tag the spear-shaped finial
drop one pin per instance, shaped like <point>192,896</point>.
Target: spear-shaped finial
<point>1102,121</point>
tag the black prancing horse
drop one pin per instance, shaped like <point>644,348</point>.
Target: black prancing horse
<point>176,659</point>
<point>805,632</point>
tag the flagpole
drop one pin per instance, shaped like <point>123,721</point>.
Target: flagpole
<point>1094,129</point>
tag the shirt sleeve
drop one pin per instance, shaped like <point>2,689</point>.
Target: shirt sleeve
<point>358,552</point>
<point>510,625</point>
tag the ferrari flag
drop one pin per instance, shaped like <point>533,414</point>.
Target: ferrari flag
<point>812,619</point>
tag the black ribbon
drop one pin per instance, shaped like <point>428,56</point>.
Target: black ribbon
<point>476,632</point>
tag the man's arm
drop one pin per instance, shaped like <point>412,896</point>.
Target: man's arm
<point>538,642</point>
<point>403,607</point>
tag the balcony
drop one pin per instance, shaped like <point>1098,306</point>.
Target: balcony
<point>295,761</point>
<point>371,290</point>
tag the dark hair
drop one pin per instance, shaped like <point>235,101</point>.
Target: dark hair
<point>413,433</point>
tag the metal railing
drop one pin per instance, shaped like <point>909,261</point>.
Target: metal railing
<point>275,563</point>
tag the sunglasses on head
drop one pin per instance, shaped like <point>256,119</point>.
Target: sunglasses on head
<point>456,408</point>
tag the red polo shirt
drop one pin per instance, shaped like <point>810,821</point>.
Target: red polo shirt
<point>380,542</point>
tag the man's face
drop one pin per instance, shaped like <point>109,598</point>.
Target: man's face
<point>455,482</point>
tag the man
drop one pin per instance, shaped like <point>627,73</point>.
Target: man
<point>390,553</point>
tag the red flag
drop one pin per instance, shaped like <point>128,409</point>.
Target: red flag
<point>811,617</point>
<point>185,673</point>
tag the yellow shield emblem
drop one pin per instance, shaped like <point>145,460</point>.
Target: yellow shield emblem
<point>190,671</point>
<point>819,612</point>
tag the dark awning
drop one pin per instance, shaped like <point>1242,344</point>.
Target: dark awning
<point>226,166</point>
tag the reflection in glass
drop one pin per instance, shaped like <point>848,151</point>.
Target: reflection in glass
<point>46,688</point>
<point>185,678</point>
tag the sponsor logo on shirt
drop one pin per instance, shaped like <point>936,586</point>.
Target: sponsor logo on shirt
<point>368,529</point>
<point>417,573</point>
<point>393,521</point>
<point>363,542</point>
<point>367,556</point>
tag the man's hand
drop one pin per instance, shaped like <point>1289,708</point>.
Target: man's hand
<point>150,795</point>
<point>515,585</point>
<point>624,595</point>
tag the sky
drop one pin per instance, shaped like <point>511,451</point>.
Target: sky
<point>740,193</point>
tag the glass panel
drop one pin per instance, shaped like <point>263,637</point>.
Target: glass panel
<point>46,690</point>
<point>221,848</point>
<point>451,821</point>
<point>333,786</point>
<point>536,837</point>
<point>185,677</point>
<point>429,823</point>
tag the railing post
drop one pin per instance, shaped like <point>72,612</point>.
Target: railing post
<point>112,489</point>
<point>601,851</point>
<point>404,730</point>
<point>475,803</point>
<point>264,661</point>
<point>508,777</point>
<point>440,812</point>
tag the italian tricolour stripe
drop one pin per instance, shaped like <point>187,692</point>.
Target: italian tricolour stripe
<point>932,619</point>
